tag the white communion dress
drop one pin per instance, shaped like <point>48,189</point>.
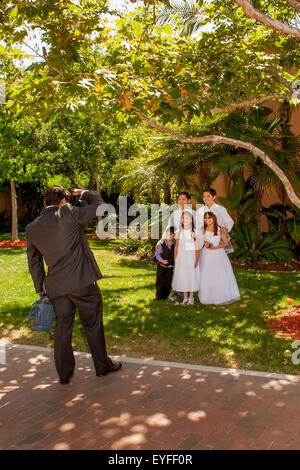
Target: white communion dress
<point>217,282</point>
<point>186,277</point>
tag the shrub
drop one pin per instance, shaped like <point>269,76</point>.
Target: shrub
<point>270,246</point>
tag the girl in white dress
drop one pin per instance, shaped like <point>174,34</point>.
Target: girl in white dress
<point>217,282</point>
<point>186,254</point>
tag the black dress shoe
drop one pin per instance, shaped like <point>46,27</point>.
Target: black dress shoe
<point>116,366</point>
<point>65,382</point>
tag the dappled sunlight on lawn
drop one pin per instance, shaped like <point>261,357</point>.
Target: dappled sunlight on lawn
<point>235,335</point>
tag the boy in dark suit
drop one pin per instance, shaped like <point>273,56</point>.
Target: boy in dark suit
<point>165,257</point>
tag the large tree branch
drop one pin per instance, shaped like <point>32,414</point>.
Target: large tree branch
<point>295,4</point>
<point>252,101</point>
<point>258,15</point>
<point>218,139</point>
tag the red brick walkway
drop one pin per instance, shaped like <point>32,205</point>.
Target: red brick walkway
<point>143,406</point>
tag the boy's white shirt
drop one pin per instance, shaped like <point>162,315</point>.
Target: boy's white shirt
<point>224,219</point>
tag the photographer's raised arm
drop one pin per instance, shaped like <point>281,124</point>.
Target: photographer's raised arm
<point>83,214</point>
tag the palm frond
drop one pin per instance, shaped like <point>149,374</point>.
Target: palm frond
<point>186,14</point>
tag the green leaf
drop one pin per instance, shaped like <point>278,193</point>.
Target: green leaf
<point>13,12</point>
<point>267,240</point>
<point>238,191</point>
<point>293,226</point>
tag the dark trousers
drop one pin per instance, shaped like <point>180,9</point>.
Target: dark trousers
<point>163,282</point>
<point>88,301</point>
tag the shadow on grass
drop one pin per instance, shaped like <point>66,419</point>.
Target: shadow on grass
<point>12,251</point>
<point>97,244</point>
<point>7,236</point>
<point>130,276</point>
<point>136,264</point>
<point>172,333</point>
<point>233,335</point>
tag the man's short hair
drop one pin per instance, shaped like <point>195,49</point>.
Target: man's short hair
<point>212,191</point>
<point>55,194</point>
<point>170,230</point>
<point>185,193</point>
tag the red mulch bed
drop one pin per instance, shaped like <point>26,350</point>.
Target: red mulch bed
<point>287,324</point>
<point>13,243</point>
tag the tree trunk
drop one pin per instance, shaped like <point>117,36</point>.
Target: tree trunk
<point>286,114</point>
<point>202,176</point>
<point>98,186</point>
<point>258,217</point>
<point>167,194</point>
<point>155,196</point>
<point>73,182</point>
<point>91,180</point>
<point>14,211</point>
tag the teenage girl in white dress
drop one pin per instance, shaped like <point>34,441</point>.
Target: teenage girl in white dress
<point>186,273</point>
<point>217,282</point>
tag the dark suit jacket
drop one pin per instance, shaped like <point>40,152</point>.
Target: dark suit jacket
<point>57,236</point>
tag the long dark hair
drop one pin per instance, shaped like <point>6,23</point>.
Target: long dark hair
<point>193,223</point>
<point>213,216</point>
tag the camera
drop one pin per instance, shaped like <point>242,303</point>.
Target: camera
<point>75,201</point>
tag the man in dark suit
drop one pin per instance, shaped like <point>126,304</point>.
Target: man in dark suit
<point>57,237</point>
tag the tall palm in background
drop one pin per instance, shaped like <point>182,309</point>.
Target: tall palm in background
<point>146,181</point>
<point>186,14</point>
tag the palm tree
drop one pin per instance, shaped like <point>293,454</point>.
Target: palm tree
<point>180,162</point>
<point>144,178</point>
<point>256,126</point>
<point>184,13</point>
<point>139,178</point>
<point>282,145</point>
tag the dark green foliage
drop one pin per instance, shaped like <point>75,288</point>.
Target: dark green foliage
<point>251,247</point>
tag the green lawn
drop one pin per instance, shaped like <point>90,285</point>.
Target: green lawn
<point>136,326</point>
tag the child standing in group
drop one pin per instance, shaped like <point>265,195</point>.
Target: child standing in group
<point>186,274</point>
<point>165,257</point>
<point>184,203</point>
<point>217,283</point>
<point>224,220</point>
